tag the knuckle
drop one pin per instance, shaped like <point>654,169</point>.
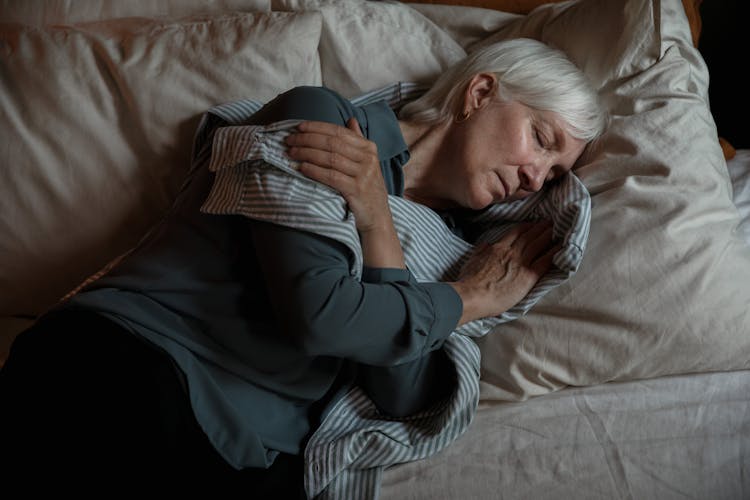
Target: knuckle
<point>331,176</point>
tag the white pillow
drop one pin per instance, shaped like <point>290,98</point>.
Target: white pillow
<point>98,122</point>
<point>78,11</point>
<point>664,284</point>
<point>366,45</point>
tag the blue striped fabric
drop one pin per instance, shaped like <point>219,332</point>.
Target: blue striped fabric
<point>345,457</point>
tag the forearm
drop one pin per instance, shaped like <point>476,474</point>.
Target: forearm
<point>381,247</point>
<point>386,319</point>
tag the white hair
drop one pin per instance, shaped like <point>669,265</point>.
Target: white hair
<point>528,71</point>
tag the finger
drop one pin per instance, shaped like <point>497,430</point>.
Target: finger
<point>538,245</point>
<point>543,264</point>
<point>513,234</point>
<point>517,236</point>
<point>300,138</point>
<point>353,151</point>
<point>329,160</point>
<point>530,234</point>
<point>330,177</point>
<point>329,137</point>
<point>353,125</point>
<point>325,128</point>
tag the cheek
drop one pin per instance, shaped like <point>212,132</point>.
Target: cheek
<point>480,201</point>
<point>478,194</point>
<point>476,179</point>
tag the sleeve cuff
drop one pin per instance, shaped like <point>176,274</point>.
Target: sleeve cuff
<point>385,274</point>
<point>232,145</point>
<point>448,308</point>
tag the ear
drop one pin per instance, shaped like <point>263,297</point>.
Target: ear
<point>482,89</point>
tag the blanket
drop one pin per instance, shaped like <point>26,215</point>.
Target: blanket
<point>346,455</point>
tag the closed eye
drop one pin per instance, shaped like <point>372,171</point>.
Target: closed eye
<point>540,139</point>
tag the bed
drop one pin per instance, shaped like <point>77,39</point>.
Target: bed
<point>631,380</point>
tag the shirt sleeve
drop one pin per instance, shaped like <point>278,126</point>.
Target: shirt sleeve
<point>328,312</point>
<point>408,388</point>
<point>305,103</point>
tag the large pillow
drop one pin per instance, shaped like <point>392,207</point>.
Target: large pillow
<point>97,124</point>
<point>664,287</point>
<point>76,11</point>
<point>365,45</point>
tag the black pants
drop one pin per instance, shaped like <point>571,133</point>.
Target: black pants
<point>83,399</point>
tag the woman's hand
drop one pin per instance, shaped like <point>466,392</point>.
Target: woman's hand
<point>343,159</point>
<point>496,277</point>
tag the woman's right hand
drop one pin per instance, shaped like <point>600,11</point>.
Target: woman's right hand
<point>497,276</point>
<point>344,159</point>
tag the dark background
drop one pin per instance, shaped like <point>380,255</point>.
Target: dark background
<point>725,45</point>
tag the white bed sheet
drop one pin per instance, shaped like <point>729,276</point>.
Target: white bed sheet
<point>680,437</point>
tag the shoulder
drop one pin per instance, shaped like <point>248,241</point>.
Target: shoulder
<point>306,103</point>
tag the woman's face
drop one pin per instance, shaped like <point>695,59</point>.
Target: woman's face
<point>505,151</point>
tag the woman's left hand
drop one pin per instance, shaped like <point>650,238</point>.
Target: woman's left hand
<point>342,158</point>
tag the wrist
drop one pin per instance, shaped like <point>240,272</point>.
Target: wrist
<point>377,226</point>
<point>470,310</point>
<point>381,247</point>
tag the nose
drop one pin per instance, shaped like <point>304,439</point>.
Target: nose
<point>532,177</point>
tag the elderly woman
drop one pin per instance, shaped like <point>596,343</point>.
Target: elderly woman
<point>218,343</point>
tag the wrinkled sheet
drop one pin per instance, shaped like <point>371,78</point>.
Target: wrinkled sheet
<point>685,437</point>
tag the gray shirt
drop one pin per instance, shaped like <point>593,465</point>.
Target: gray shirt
<point>266,323</point>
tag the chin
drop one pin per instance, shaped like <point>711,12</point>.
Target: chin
<point>519,195</point>
<point>480,203</point>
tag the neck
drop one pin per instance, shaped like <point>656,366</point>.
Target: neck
<point>424,170</point>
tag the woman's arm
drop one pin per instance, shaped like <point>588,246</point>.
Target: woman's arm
<point>406,389</point>
<point>345,160</point>
<point>496,277</point>
<point>386,319</point>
